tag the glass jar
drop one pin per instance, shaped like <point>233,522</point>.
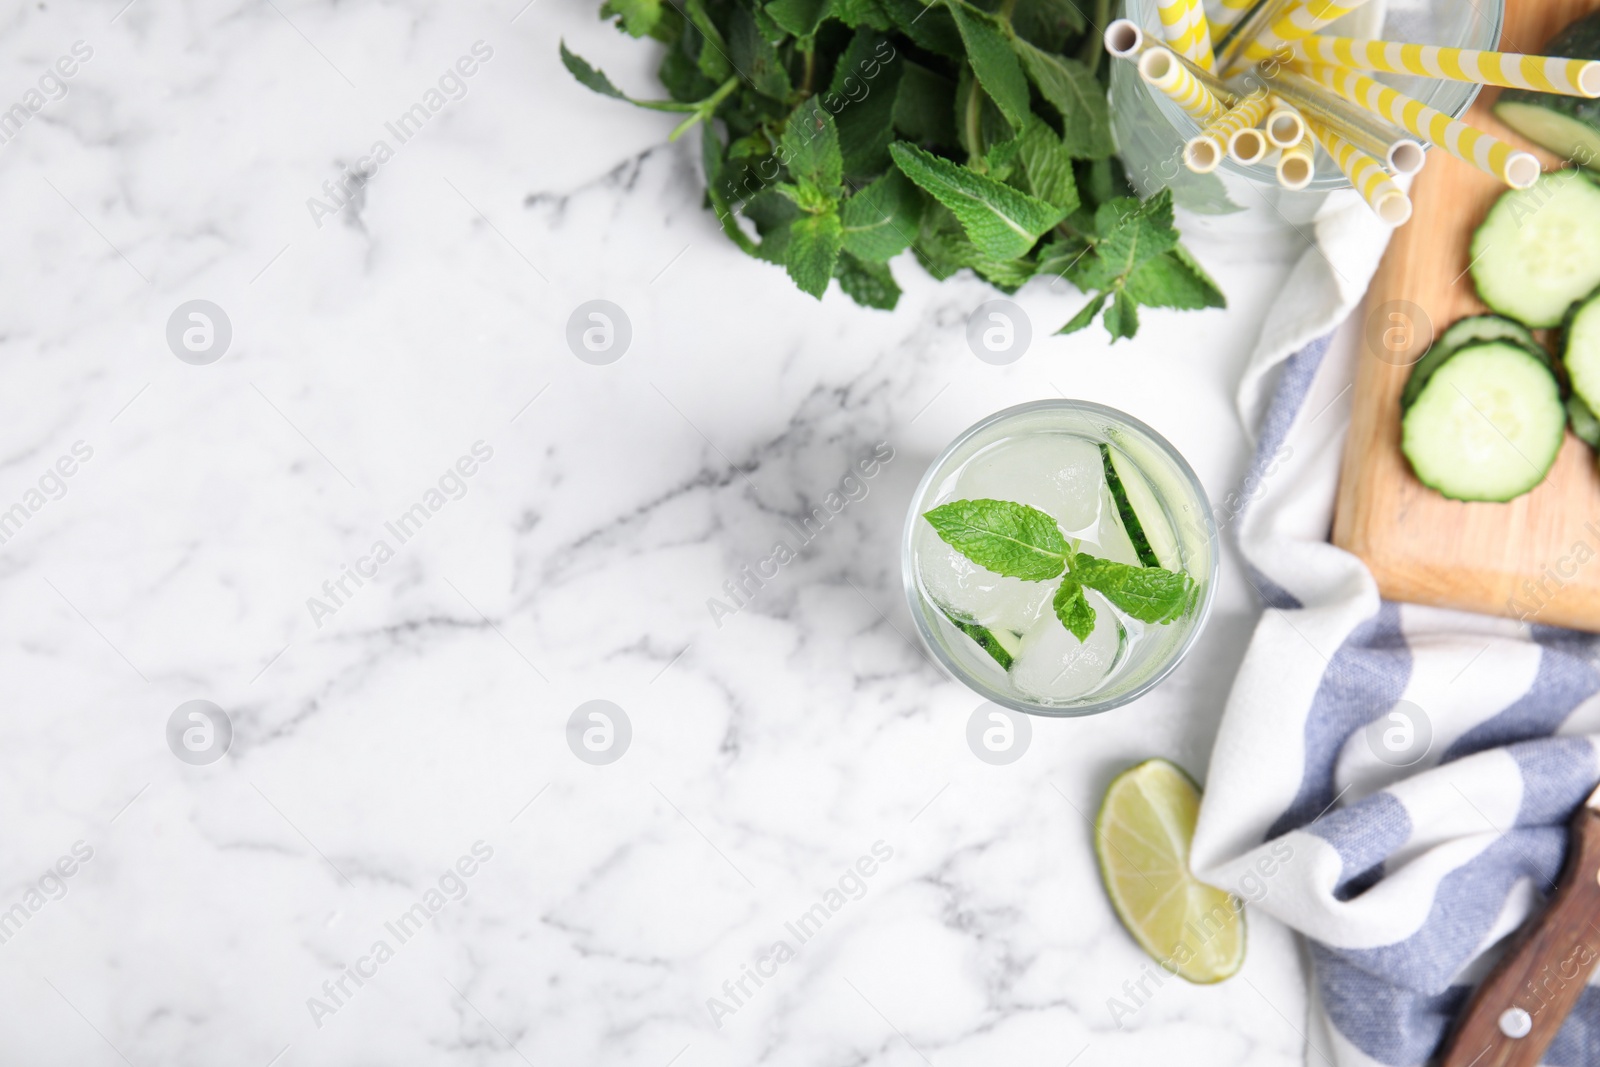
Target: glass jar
<point>1151,130</point>
<point>1145,653</point>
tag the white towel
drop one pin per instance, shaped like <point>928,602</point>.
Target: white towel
<point>1390,780</point>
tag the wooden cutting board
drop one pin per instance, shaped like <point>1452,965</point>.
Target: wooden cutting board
<point>1535,557</point>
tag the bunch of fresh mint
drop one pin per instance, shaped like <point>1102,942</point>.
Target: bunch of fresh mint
<point>974,132</point>
<point>1019,541</point>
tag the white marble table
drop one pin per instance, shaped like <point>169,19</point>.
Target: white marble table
<point>412,719</point>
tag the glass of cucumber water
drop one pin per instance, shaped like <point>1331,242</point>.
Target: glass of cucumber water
<point>1059,558</point>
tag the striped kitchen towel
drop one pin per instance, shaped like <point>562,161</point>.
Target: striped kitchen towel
<point>1392,781</point>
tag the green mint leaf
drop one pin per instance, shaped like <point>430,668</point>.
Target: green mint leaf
<point>1149,594</point>
<point>711,158</point>
<point>1132,232</point>
<point>1074,610</point>
<point>1001,221</point>
<point>799,17</point>
<point>1009,539</point>
<point>1174,280</point>
<point>712,58</point>
<point>1047,165</point>
<point>1076,94</point>
<point>862,98</point>
<point>811,149</point>
<point>593,78</point>
<point>881,220</point>
<point>1047,23</point>
<point>1122,317</point>
<point>925,105</point>
<point>992,60</point>
<point>682,77</point>
<point>1085,315</point>
<point>756,57</point>
<point>638,17</point>
<point>868,284</point>
<point>814,242</point>
<point>929,25</point>
<point>861,13</point>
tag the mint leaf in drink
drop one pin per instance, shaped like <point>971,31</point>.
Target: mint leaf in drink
<point>1002,222</point>
<point>1013,540</point>
<point>1149,594</point>
<point>990,56</point>
<point>813,249</point>
<point>1074,609</point>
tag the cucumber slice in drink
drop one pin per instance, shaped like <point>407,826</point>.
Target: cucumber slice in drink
<point>1580,349</point>
<point>1458,335</point>
<point>1001,645</point>
<point>1141,514</point>
<point>1538,250</point>
<point>1487,424</point>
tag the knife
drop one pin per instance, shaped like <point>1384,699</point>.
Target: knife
<point>1516,1012</point>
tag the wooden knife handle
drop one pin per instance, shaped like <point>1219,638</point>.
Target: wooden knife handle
<point>1514,1015</point>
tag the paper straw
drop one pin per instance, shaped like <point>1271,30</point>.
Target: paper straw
<point>1220,89</point>
<point>1300,21</point>
<point>1238,42</point>
<point>1284,127</point>
<point>1516,168</point>
<point>1160,68</point>
<point>1360,126</point>
<point>1204,152</point>
<point>1183,24</point>
<point>1298,163</point>
<point>1124,39</point>
<point>1228,13</point>
<point>1248,146</point>
<point>1547,74</point>
<point>1366,174</point>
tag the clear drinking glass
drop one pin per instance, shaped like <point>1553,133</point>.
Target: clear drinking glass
<point>1151,130</point>
<point>1143,658</point>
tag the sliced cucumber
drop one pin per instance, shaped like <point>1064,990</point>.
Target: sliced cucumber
<point>1583,421</point>
<point>1142,516</point>
<point>1002,645</point>
<point>1567,125</point>
<point>1539,249</point>
<point>1461,333</point>
<point>1580,349</point>
<point>1487,425</point>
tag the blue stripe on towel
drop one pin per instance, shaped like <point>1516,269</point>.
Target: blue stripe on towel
<point>1364,834</point>
<point>1564,680</point>
<point>1363,681</point>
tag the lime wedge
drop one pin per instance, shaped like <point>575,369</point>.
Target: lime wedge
<point>1142,837</point>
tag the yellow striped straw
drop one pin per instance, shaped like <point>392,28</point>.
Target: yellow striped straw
<point>1204,152</point>
<point>1228,13</point>
<point>1547,74</point>
<point>1162,70</point>
<point>1285,127</point>
<point>1297,164</point>
<point>1300,21</point>
<point>1471,145</point>
<point>1386,199</point>
<point>1183,24</point>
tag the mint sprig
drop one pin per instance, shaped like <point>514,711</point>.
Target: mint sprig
<point>1018,541</point>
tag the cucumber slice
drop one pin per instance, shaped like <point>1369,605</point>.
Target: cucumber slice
<point>1539,249</point>
<point>1487,425</point>
<point>1580,349</point>
<point>1567,125</point>
<point>1457,336</point>
<point>1002,645</point>
<point>1142,516</point>
<point>1583,421</point>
